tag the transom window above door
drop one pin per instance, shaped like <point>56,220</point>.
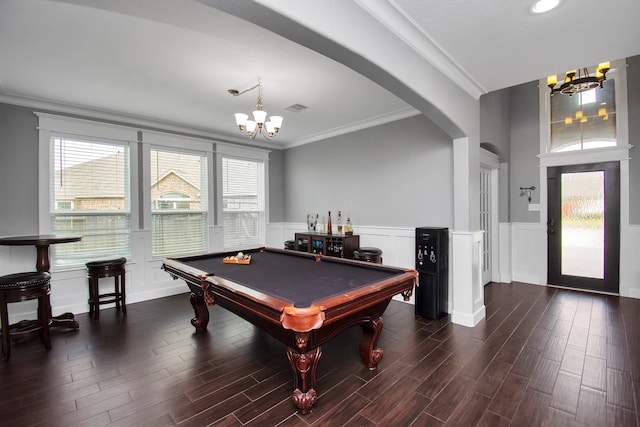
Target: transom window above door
<point>585,120</point>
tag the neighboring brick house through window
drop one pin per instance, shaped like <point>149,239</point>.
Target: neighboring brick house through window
<point>178,202</point>
<point>90,196</point>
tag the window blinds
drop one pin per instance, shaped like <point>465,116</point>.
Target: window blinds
<point>243,194</point>
<point>178,203</point>
<point>90,197</point>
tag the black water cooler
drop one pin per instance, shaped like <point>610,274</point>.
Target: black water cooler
<point>432,255</point>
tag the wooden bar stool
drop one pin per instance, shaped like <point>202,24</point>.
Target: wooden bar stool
<point>23,287</point>
<point>106,268</point>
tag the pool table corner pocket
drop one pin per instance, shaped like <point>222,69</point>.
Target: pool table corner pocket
<point>302,319</point>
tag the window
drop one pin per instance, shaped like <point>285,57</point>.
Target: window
<point>243,199</point>
<point>89,196</point>
<point>174,201</point>
<point>178,202</point>
<point>584,121</point>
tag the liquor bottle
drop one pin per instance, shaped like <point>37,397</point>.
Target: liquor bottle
<point>329,230</point>
<point>339,223</point>
<point>348,229</point>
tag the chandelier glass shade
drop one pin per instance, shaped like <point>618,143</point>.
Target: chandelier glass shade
<point>577,81</point>
<point>542,6</point>
<point>260,124</point>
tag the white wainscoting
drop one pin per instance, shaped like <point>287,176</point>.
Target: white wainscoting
<point>523,256</point>
<point>69,288</point>
<point>504,239</point>
<point>397,243</point>
<point>528,249</point>
<point>630,262</point>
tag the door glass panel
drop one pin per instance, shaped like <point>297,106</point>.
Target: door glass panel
<point>485,222</point>
<point>583,224</point>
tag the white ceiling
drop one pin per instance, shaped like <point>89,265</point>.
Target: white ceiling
<point>172,61</point>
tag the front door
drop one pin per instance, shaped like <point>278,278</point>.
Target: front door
<point>583,226</point>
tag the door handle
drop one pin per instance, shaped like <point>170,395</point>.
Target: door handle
<point>551,226</point>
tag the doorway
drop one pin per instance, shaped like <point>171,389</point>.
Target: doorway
<point>489,169</point>
<point>486,224</point>
<point>583,226</point>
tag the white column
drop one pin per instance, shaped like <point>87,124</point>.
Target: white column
<point>466,275</point>
<point>467,292</point>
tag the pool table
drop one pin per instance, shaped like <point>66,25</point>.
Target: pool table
<point>303,300</point>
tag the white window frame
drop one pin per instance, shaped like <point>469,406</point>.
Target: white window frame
<point>177,143</point>
<point>242,153</point>
<point>50,125</point>
<point>621,151</point>
<point>139,170</point>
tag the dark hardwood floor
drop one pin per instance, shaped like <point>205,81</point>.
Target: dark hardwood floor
<point>542,356</point>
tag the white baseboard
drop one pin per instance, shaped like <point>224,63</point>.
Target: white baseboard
<point>469,320</point>
<point>505,278</point>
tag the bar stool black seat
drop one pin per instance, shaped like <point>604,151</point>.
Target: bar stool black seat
<point>106,268</point>
<point>19,287</point>
<point>368,254</point>
<point>290,244</point>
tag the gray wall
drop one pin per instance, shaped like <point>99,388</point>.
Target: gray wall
<point>397,174</point>
<point>276,186</point>
<point>18,171</point>
<point>525,147</point>
<point>495,133</point>
<point>633,85</point>
<point>495,136</point>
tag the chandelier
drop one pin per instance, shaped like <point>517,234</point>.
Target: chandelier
<point>259,124</point>
<point>582,82</point>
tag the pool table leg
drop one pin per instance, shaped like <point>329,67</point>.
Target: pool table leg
<point>370,355</point>
<point>201,319</point>
<point>304,367</point>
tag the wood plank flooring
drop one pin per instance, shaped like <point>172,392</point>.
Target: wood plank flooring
<point>542,356</point>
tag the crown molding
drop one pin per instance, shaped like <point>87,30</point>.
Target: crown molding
<point>390,14</point>
<point>355,126</point>
<point>117,118</point>
<point>150,124</point>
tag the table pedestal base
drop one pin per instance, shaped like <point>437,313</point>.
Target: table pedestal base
<point>64,320</point>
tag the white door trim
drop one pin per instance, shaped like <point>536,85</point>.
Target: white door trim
<point>489,161</point>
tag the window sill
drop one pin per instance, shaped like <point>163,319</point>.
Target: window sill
<point>594,155</point>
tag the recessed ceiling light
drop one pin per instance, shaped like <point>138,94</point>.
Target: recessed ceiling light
<point>542,6</point>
